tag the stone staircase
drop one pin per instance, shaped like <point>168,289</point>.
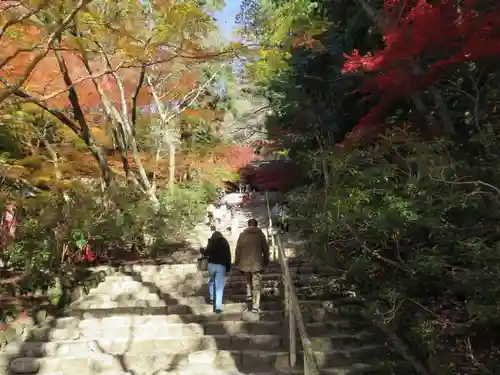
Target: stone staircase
<point>153,320</point>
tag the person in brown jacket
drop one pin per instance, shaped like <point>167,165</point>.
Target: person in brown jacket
<point>252,255</point>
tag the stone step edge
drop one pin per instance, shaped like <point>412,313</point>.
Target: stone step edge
<point>272,271</point>
<point>98,314</point>
<point>268,352</point>
<point>156,301</point>
<point>165,308</point>
<point>270,316</point>
<point>135,267</point>
<point>356,369</point>
<point>335,336</point>
<point>210,316</point>
<point>327,324</point>
<point>184,301</point>
<point>45,313</point>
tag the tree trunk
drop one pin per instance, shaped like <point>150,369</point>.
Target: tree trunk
<point>124,157</point>
<point>83,132</point>
<point>324,163</point>
<point>55,162</point>
<point>143,177</point>
<point>171,166</point>
<point>53,156</point>
<point>157,159</point>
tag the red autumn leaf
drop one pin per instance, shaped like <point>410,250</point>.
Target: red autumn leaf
<point>419,29</point>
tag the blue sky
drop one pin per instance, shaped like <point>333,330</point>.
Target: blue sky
<point>225,18</point>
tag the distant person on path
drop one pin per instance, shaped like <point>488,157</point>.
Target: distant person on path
<point>218,253</point>
<point>210,215</point>
<point>222,194</point>
<point>222,216</point>
<point>275,213</point>
<point>252,255</point>
<point>283,216</point>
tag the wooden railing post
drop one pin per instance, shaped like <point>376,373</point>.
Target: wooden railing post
<point>293,311</point>
<point>270,228</point>
<point>292,345</point>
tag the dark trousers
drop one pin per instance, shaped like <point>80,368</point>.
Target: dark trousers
<point>253,282</point>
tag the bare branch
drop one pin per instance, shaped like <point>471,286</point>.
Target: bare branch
<point>477,182</point>
<point>402,267</point>
<point>137,91</point>
<point>54,112</point>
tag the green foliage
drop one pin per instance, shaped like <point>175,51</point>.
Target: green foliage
<point>414,223</point>
<point>16,131</point>
<point>185,205</point>
<point>114,225</point>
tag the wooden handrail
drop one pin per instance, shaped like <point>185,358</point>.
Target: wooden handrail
<point>293,311</point>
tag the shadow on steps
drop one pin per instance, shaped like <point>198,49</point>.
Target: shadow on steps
<point>153,319</point>
<point>131,324</point>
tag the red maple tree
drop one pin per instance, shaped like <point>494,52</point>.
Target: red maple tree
<point>421,30</point>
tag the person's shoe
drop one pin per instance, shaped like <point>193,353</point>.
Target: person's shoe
<point>256,311</point>
<point>209,301</point>
<point>218,311</point>
<point>249,298</point>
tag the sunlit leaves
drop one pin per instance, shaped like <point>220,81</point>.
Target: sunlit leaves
<point>280,27</point>
<point>107,48</point>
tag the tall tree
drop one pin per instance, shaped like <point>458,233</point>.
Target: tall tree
<point>102,63</point>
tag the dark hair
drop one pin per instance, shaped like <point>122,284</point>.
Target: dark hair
<point>252,223</point>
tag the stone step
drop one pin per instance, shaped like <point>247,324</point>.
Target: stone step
<point>99,302</point>
<point>196,305</point>
<point>234,293</point>
<point>99,296</point>
<point>309,315</point>
<point>230,279</point>
<point>233,275</point>
<point>298,270</point>
<point>96,298</point>
<point>299,281</point>
<point>271,293</point>
<point>354,369</point>
<point>273,275</point>
<point>142,268</point>
<point>337,341</point>
<point>172,345</point>
<point>150,327</point>
<point>258,361</point>
<point>148,346</point>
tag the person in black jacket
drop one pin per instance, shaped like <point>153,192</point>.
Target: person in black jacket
<point>219,263</point>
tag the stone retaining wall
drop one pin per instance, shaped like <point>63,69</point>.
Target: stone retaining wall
<point>38,311</point>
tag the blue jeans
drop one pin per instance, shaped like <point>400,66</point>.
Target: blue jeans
<point>216,273</point>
